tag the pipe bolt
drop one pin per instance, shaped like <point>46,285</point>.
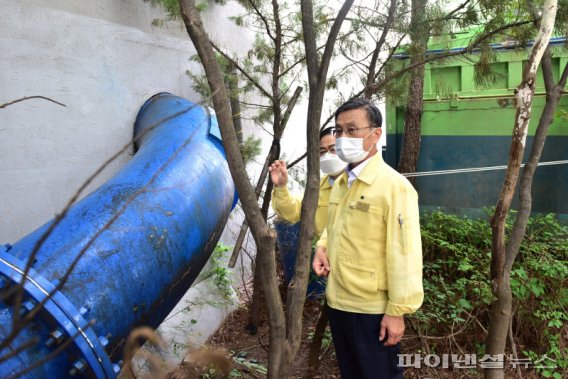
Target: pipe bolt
<point>55,337</point>
<point>27,306</point>
<point>117,367</point>
<point>83,311</point>
<point>78,367</point>
<point>103,341</point>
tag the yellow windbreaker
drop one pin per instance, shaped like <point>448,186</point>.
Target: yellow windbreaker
<point>373,243</point>
<point>288,207</point>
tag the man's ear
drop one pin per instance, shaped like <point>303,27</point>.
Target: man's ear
<point>377,134</point>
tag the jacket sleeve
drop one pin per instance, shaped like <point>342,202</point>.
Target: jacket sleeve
<point>286,206</point>
<point>404,252</point>
<point>323,239</point>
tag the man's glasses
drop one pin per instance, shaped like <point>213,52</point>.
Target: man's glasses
<point>349,132</point>
<point>330,149</point>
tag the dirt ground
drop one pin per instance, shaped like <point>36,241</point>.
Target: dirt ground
<point>251,350</point>
<point>254,348</point>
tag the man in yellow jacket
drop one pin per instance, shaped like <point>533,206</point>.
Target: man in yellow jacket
<point>288,207</point>
<point>370,250</point>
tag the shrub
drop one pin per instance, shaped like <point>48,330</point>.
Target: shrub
<point>457,255</point>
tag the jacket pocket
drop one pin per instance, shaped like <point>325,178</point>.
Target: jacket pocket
<point>409,234</point>
<point>403,234</point>
<point>358,282</point>
<point>364,224</point>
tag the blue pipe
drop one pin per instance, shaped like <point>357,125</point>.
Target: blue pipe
<point>169,204</point>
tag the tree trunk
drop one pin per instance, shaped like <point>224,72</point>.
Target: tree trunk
<point>285,329</point>
<point>272,155</point>
<point>499,326</point>
<point>263,236</point>
<point>317,76</point>
<point>419,35</point>
<point>315,347</point>
<point>256,302</point>
<point>554,93</point>
<point>502,260</point>
<point>233,85</point>
<point>412,124</point>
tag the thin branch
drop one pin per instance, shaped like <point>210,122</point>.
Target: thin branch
<point>547,71</point>
<point>254,105</point>
<point>31,97</point>
<point>331,38</point>
<point>264,20</point>
<point>467,50</point>
<point>26,345</point>
<point>564,77</point>
<point>379,46</point>
<point>242,70</point>
<point>51,355</point>
<point>276,69</point>
<point>391,53</point>
<point>460,7</point>
<point>513,345</point>
<point>291,105</point>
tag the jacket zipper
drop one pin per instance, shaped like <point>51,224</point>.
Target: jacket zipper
<point>402,232</point>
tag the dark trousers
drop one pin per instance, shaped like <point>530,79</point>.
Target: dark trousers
<point>359,352</point>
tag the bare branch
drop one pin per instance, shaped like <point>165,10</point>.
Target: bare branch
<point>28,98</point>
<point>467,50</point>
<point>547,70</point>
<point>276,69</point>
<point>379,46</point>
<point>13,352</point>
<point>331,38</point>
<point>50,356</point>
<point>563,77</point>
<point>291,105</point>
<point>264,20</point>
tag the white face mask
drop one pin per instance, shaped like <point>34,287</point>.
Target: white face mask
<point>331,164</point>
<point>351,150</point>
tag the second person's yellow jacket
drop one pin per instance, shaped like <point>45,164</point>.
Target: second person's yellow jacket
<point>288,207</point>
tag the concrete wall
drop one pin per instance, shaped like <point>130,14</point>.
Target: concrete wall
<point>102,59</point>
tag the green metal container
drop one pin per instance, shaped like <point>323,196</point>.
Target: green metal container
<point>466,125</point>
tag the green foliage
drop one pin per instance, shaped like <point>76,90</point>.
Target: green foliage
<point>220,273</point>
<point>456,262</point>
<point>457,254</point>
<point>171,7</point>
<point>201,86</point>
<point>326,338</point>
<point>250,149</point>
<point>251,365</point>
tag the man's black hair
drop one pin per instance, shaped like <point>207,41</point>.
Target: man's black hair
<point>373,113</point>
<point>325,132</point>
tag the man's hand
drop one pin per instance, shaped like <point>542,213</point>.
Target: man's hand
<point>393,328</point>
<point>278,173</point>
<point>321,263</point>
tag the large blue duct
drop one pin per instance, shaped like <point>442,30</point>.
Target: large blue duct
<point>162,216</point>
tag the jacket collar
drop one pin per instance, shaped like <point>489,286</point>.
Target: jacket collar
<point>324,182</point>
<point>370,172</point>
